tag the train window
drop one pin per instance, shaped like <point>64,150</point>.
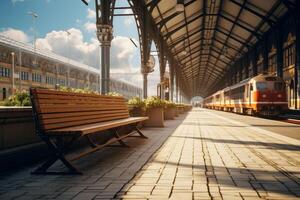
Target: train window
<point>278,86</point>
<point>262,86</point>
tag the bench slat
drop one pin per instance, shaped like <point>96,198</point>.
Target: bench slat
<point>79,109</point>
<point>83,100</point>
<point>74,114</point>
<point>86,117</point>
<point>91,128</point>
<point>85,122</point>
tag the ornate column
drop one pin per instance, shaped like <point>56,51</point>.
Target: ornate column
<point>105,36</point>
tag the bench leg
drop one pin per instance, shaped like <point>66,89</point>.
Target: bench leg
<point>140,132</point>
<point>116,134</point>
<point>90,141</point>
<point>57,149</point>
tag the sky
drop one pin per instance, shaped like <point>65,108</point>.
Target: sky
<point>56,17</point>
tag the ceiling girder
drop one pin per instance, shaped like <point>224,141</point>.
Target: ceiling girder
<point>181,26</point>
<point>235,22</point>
<point>165,20</point>
<point>268,20</point>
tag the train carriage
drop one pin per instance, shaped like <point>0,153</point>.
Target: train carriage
<point>262,94</point>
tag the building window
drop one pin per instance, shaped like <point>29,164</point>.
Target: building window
<point>289,55</point>
<point>250,72</point>
<point>24,76</point>
<point>289,51</point>
<point>36,78</point>
<point>4,72</point>
<point>62,82</point>
<point>260,65</point>
<point>50,80</point>
<point>272,64</point>
<point>244,75</point>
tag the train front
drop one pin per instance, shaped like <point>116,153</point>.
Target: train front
<point>270,96</point>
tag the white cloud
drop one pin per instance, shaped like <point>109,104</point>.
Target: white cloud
<point>71,46</point>
<point>122,50</point>
<point>15,34</point>
<point>90,27</point>
<point>91,14</point>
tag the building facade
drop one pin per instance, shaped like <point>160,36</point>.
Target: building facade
<point>22,67</point>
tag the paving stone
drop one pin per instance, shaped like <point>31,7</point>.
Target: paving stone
<point>203,155</point>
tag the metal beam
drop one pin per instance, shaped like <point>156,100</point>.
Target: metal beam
<point>263,17</point>
<point>235,22</point>
<point>165,20</point>
<point>181,26</point>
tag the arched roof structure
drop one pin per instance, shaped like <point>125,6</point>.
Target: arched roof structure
<point>207,37</point>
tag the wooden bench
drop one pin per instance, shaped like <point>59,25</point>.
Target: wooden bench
<point>61,118</point>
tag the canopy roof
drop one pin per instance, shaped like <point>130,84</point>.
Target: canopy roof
<point>209,36</point>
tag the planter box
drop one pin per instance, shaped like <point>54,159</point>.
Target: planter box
<point>180,110</point>
<point>170,113</point>
<point>136,112</point>
<point>156,117</point>
<point>16,127</point>
<point>176,112</point>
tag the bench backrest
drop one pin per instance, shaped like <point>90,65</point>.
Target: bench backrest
<point>57,109</point>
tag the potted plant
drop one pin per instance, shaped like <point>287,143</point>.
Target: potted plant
<point>180,108</point>
<point>155,111</point>
<point>20,98</point>
<point>170,110</point>
<point>136,107</point>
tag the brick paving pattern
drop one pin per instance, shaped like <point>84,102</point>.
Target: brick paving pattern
<point>210,157</point>
<point>199,156</point>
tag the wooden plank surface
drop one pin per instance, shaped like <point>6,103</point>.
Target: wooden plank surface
<point>90,128</point>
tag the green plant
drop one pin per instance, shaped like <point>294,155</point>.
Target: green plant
<point>114,94</point>
<point>77,90</point>
<point>169,104</point>
<point>20,98</point>
<point>136,102</point>
<point>136,107</point>
<point>154,102</point>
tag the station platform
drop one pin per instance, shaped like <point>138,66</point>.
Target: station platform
<point>204,154</point>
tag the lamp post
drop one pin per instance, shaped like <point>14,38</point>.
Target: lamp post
<point>34,17</point>
<point>68,69</point>
<point>13,71</point>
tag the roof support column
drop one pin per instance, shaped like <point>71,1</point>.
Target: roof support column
<point>265,53</point>
<point>279,52</point>
<point>105,36</point>
<point>162,67</point>
<point>297,69</point>
<point>176,86</point>
<point>171,81</point>
<point>254,62</point>
<point>145,50</point>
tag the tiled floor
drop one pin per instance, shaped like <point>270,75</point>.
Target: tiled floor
<point>203,155</point>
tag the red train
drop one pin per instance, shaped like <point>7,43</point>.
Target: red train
<point>260,95</point>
